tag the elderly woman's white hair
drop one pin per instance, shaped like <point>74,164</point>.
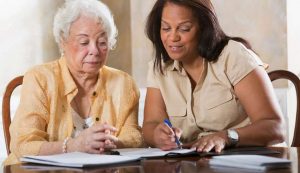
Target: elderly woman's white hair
<point>71,11</point>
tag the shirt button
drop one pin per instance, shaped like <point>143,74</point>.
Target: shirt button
<point>97,119</point>
<point>94,93</point>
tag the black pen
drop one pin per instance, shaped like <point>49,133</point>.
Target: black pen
<point>111,152</point>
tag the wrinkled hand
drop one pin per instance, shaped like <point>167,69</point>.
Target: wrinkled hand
<point>164,137</point>
<point>207,143</point>
<point>95,139</point>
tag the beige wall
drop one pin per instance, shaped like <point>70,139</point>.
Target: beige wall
<point>133,49</point>
<point>121,56</point>
<point>263,23</point>
<point>141,46</point>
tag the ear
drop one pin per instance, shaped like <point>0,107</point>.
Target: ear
<point>63,44</point>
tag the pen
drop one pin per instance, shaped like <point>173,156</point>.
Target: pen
<point>168,123</point>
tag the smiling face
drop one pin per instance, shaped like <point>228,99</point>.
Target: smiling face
<point>86,48</point>
<point>179,32</point>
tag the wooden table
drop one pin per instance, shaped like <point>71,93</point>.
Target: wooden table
<point>163,165</point>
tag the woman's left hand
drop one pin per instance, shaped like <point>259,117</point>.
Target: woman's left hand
<point>207,143</point>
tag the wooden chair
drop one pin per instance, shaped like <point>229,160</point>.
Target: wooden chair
<point>6,108</point>
<point>284,74</point>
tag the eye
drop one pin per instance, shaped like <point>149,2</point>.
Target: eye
<point>165,28</point>
<point>84,43</point>
<point>102,43</point>
<point>184,29</point>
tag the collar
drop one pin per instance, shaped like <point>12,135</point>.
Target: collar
<point>175,66</point>
<point>67,79</point>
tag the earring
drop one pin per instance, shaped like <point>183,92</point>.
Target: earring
<point>62,54</point>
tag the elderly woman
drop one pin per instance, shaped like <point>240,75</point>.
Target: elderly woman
<point>76,103</point>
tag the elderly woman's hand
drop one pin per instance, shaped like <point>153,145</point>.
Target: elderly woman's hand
<point>95,139</point>
<point>207,143</point>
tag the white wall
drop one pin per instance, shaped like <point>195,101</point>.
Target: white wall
<point>293,28</point>
<point>26,40</point>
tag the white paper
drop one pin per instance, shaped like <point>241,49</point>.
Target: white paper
<point>256,162</point>
<point>151,152</point>
<point>78,159</point>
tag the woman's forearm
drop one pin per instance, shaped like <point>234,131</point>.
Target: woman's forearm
<point>49,148</point>
<point>148,132</point>
<point>262,133</point>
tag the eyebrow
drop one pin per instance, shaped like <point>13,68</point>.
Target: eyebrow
<point>181,23</point>
<point>84,34</point>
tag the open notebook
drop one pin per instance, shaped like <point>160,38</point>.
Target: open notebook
<point>155,152</point>
<point>78,159</point>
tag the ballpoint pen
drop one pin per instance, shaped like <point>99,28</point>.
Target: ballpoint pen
<point>168,123</point>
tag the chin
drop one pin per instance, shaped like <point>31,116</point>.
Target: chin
<point>176,58</point>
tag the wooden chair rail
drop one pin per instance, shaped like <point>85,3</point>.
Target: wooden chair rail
<point>284,74</point>
<point>6,108</point>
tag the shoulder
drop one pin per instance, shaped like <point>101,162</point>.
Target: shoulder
<point>236,61</point>
<point>115,74</point>
<point>41,73</point>
<point>235,49</point>
<point>116,80</point>
<point>166,66</point>
<point>236,53</point>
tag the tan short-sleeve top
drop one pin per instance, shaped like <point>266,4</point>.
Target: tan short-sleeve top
<point>212,106</point>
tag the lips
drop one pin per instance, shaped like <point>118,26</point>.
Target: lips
<point>175,48</point>
<point>93,62</point>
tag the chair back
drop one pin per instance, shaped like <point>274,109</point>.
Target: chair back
<point>284,74</point>
<point>6,108</point>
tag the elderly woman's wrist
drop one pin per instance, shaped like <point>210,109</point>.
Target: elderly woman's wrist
<point>64,145</point>
<point>68,145</point>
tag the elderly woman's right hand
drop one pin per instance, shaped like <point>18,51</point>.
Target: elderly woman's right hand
<point>95,139</point>
<point>164,136</point>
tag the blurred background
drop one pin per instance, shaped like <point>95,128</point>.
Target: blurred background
<point>271,26</point>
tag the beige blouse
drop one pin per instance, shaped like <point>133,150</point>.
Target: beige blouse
<point>44,113</point>
<point>213,105</point>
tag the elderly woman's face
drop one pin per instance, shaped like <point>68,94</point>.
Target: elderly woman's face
<point>86,48</point>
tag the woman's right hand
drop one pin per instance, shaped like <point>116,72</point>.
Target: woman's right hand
<point>164,136</point>
<point>95,139</point>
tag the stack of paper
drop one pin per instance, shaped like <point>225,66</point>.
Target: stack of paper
<point>255,162</point>
<point>78,159</point>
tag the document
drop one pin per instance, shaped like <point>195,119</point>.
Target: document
<point>253,162</point>
<point>155,152</point>
<point>241,150</point>
<point>78,159</point>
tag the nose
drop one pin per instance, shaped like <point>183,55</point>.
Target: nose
<point>93,49</point>
<point>174,36</point>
